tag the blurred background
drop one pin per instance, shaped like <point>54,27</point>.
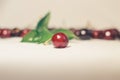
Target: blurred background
<point>92,60</point>
<point>75,13</point>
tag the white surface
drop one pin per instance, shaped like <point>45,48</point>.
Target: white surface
<point>22,13</point>
<point>92,59</point>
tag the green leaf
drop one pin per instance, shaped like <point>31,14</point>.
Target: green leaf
<point>69,34</point>
<point>42,28</point>
<point>29,37</point>
<point>41,34</point>
<point>44,36</point>
<point>43,23</point>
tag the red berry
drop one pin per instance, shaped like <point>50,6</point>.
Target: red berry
<point>77,33</point>
<point>115,33</point>
<point>5,33</point>
<point>108,35</point>
<point>98,34</point>
<point>24,32</point>
<point>111,34</point>
<point>60,40</point>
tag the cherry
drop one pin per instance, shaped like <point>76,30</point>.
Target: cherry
<point>15,32</point>
<point>118,34</point>
<point>5,33</point>
<point>24,32</point>
<point>111,34</point>
<point>108,34</point>
<point>115,32</point>
<point>98,34</point>
<point>85,34</point>
<point>60,40</point>
<point>77,32</point>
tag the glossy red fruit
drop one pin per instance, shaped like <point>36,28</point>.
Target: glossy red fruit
<point>98,34</point>
<point>111,34</point>
<point>108,35</point>
<point>60,40</point>
<point>24,32</point>
<point>5,33</point>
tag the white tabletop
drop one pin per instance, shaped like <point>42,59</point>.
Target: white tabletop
<point>91,58</point>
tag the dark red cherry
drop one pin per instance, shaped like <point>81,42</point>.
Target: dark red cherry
<point>118,34</point>
<point>77,32</point>
<point>98,34</point>
<point>24,32</point>
<point>85,34</point>
<point>115,33</point>
<point>108,35</point>
<point>60,40</point>
<point>15,32</point>
<point>111,34</point>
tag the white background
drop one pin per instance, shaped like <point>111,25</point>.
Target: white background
<point>81,60</point>
<point>22,13</point>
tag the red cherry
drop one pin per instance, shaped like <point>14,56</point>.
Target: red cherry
<point>111,34</point>
<point>77,32</point>
<point>108,35</point>
<point>98,34</point>
<point>24,32</point>
<point>60,40</point>
<point>5,33</point>
<point>115,33</point>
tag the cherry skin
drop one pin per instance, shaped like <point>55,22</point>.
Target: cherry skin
<point>5,33</point>
<point>115,32</point>
<point>24,32</point>
<point>85,34</point>
<point>77,33</point>
<point>97,34</point>
<point>60,40</point>
<point>108,35</point>
<point>111,34</point>
<point>15,32</point>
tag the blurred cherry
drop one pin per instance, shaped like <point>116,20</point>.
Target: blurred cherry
<point>98,34</point>
<point>5,33</point>
<point>85,34</point>
<point>24,32</point>
<point>15,32</point>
